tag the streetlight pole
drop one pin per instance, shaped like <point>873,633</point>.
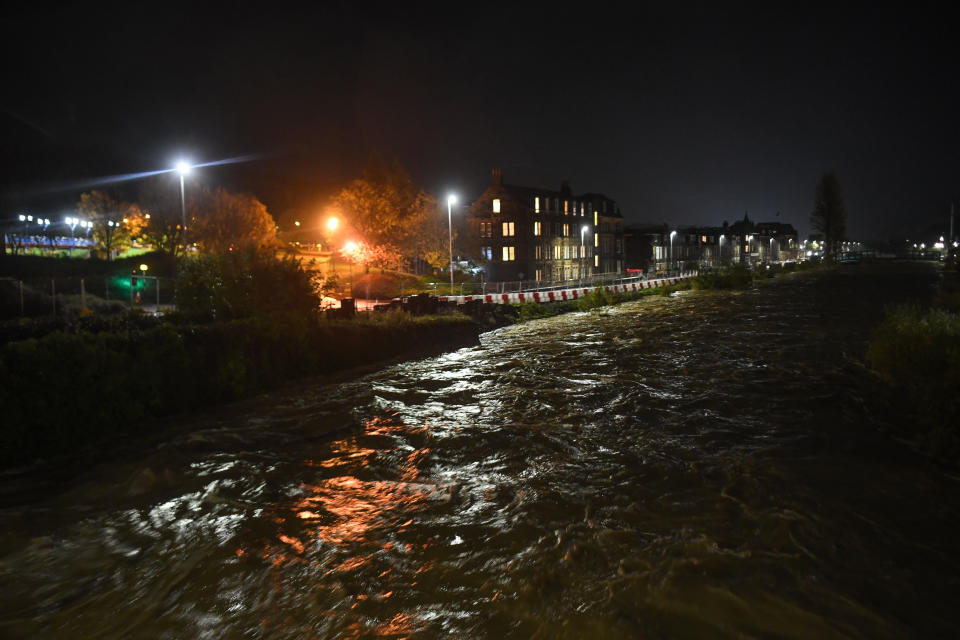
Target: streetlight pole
<point>183,168</point>
<point>450,200</point>
<point>332,224</point>
<point>720,256</point>
<point>672,234</point>
<point>583,230</point>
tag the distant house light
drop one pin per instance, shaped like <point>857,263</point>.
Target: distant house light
<point>536,204</point>
<point>496,205</point>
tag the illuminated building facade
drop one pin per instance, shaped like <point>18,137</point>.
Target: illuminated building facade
<point>532,234</point>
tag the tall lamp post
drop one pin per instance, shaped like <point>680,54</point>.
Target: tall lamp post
<point>450,200</point>
<point>583,230</point>
<point>672,234</point>
<point>332,224</point>
<point>720,256</point>
<point>183,168</point>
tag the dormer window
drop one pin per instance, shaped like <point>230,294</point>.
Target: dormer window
<point>496,205</point>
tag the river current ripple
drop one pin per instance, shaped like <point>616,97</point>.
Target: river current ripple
<point>700,465</point>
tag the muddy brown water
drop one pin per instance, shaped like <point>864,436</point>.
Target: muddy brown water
<point>710,464</point>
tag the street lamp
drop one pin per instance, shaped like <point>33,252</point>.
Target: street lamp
<point>450,200</point>
<point>183,168</point>
<point>332,224</point>
<point>672,234</point>
<point>73,224</point>
<point>720,257</point>
<point>583,230</point>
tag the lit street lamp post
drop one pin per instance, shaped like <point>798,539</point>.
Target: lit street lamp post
<point>672,262</point>
<point>720,252</point>
<point>183,168</point>
<point>583,230</point>
<point>332,224</point>
<point>450,200</point>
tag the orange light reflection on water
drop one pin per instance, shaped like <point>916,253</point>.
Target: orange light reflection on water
<point>343,524</point>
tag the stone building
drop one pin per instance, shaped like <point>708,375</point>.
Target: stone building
<point>534,234</point>
<point>662,249</point>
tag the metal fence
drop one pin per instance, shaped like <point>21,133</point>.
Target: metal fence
<point>597,279</point>
<point>45,295</point>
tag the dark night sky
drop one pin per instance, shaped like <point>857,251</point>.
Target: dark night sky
<point>692,114</point>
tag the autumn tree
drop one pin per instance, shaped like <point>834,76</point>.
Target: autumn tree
<point>391,215</point>
<point>829,216</point>
<point>159,199</point>
<point>220,221</point>
<point>380,203</point>
<point>115,224</point>
<point>428,236</point>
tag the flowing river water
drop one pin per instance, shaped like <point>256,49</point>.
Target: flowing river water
<point>709,464</point>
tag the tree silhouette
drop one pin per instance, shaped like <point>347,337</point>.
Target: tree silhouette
<point>829,216</point>
<point>115,223</point>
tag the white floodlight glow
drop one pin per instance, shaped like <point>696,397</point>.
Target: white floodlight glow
<point>183,167</point>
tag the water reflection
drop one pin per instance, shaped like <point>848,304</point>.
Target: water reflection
<point>349,529</point>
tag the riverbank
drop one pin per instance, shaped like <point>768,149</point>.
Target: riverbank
<point>67,391</point>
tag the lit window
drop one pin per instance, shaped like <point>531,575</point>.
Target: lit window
<point>596,219</point>
<point>536,228</point>
<point>566,230</point>
<point>496,205</point>
<point>556,252</point>
<point>566,207</point>
<point>539,275</point>
<point>596,239</point>
<point>486,253</point>
<point>566,252</point>
<point>538,252</point>
<point>536,204</point>
<point>596,260</point>
<point>508,254</point>
<point>507,229</point>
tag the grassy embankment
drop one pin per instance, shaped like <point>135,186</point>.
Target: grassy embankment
<point>917,353</point>
<point>73,388</point>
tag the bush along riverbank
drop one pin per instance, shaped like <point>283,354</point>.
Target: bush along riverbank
<point>917,352</point>
<point>67,390</point>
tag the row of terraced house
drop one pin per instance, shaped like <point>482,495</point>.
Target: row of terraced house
<point>549,236</point>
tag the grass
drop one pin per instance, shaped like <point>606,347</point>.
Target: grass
<point>917,352</point>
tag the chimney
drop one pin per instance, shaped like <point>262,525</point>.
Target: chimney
<point>497,178</point>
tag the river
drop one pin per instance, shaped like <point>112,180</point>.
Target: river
<point>708,464</point>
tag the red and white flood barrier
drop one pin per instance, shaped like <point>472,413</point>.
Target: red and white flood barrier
<point>560,295</point>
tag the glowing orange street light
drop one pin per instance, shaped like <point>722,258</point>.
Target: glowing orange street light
<point>332,223</point>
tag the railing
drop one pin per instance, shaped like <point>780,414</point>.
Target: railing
<point>599,279</point>
<point>36,296</point>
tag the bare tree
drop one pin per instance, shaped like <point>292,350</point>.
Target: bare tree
<point>829,216</point>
